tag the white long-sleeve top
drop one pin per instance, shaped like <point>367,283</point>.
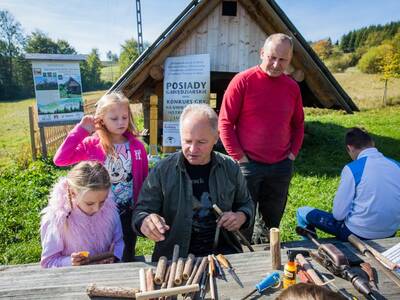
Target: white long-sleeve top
<point>368,197</point>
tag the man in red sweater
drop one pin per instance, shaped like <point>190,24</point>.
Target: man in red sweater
<point>261,125</point>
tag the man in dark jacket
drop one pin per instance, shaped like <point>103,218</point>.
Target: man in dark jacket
<point>175,204</point>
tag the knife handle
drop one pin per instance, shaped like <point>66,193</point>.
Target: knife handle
<point>223,261</point>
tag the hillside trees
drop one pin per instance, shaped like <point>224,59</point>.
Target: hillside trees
<point>128,54</point>
<point>13,67</point>
<point>91,71</point>
<point>39,42</point>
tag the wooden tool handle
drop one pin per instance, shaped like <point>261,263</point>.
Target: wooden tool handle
<point>223,261</point>
<point>160,271</point>
<point>218,210</point>
<point>309,269</point>
<point>211,266</point>
<point>357,243</point>
<point>363,247</point>
<point>179,271</point>
<point>165,282</point>
<point>175,256</point>
<point>188,266</point>
<point>142,280</point>
<point>194,271</point>
<point>149,280</point>
<point>275,248</point>
<point>200,270</point>
<point>99,257</point>
<point>167,292</point>
<point>115,292</point>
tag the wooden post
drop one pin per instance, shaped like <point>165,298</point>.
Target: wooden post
<point>385,93</point>
<point>275,246</point>
<point>153,124</point>
<point>213,100</point>
<point>32,131</point>
<point>43,142</point>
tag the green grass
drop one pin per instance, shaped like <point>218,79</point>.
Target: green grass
<point>14,129</point>
<point>110,73</point>
<point>24,186</point>
<point>318,166</point>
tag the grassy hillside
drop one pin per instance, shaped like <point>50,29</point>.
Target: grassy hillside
<point>14,129</point>
<point>366,90</point>
<point>110,73</point>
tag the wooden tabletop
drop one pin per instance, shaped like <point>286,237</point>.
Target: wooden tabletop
<point>32,282</point>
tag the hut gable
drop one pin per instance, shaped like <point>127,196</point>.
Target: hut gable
<point>233,42</point>
<point>233,38</point>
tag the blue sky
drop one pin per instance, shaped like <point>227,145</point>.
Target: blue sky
<point>106,24</point>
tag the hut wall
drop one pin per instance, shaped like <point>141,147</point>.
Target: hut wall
<point>233,42</point>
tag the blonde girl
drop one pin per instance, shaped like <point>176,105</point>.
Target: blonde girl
<point>110,137</point>
<point>80,217</point>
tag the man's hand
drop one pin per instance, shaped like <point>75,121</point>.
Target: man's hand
<point>154,227</point>
<point>244,159</point>
<point>88,123</point>
<point>78,259</point>
<point>291,156</point>
<point>232,220</point>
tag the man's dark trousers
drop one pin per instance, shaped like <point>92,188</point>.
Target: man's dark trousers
<point>268,185</point>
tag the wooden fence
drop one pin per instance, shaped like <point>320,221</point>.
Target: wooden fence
<point>52,136</point>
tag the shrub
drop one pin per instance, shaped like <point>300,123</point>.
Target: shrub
<point>340,62</point>
<point>371,62</point>
<point>23,194</point>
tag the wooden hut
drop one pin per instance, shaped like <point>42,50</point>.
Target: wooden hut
<point>232,33</point>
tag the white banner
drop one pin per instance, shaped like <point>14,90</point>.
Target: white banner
<point>58,90</point>
<point>186,81</point>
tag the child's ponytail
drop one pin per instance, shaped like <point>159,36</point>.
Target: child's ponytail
<point>88,175</point>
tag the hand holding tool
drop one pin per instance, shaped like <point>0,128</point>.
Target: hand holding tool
<point>271,280</point>
<point>224,262</point>
<point>237,233</point>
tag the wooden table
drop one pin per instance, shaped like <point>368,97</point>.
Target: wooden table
<point>32,282</point>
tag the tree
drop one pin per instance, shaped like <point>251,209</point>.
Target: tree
<point>372,61</point>
<point>65,48</point>
<point>128,54</point>
<point>39,42</point>
<point>91,71</point>
<point>391,63</point>
<point>323,48</point>
<point>11,41</point>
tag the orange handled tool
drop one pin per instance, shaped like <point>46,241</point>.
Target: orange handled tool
<point>225,263</point>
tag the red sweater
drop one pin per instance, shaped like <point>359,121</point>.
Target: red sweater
<point>262,117</point>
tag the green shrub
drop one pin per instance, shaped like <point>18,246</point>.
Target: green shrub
<point>371,61</point>
<point>23,194</point>
<point>340,62</point>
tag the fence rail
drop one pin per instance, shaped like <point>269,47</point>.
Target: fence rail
<point>53,136</point>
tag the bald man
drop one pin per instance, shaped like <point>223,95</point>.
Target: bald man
<point>175,204</point>
<point>261,125</point>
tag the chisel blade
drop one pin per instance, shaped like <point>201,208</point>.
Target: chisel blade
<point>235,277</point>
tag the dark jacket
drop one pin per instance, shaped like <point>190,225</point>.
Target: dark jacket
<point>167,192</point>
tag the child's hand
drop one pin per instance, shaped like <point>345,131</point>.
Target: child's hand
<point>88,122</point>
<point>77,259</point>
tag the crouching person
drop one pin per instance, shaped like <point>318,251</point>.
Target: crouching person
<point>175,203</point>
<point>367,201</point>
